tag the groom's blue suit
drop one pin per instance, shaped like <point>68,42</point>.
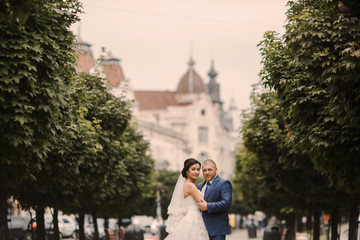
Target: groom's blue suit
<point>218,198</point>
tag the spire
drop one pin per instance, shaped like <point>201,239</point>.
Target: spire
<point>191,61</point>
<point>212,73</point>
<point>213,86</point>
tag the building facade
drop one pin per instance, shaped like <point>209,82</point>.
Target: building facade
<point>187,122</point>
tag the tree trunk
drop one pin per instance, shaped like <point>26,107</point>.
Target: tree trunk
<point>40,224</point>
<point>3,214</point>
<point>291,225</point>
<point>56,225</point>
<point>81,221</point>
<point>353,220</point>
<point>309,224</point>
<point>120,228</point>
<point>317,215</point>
<point>106,223</point>
<point>96,229</point>
<point>300,225</point>
<point>334,223</point>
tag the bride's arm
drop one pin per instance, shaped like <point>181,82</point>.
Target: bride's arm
<point>191,189</point>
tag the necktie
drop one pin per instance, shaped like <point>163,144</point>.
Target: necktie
<point>207,186</point>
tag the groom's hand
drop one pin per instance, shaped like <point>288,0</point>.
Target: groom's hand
<point>203,205</point>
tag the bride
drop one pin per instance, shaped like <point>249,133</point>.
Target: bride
<point>185,220</point>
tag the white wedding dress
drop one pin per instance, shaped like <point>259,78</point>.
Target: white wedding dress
<point>191,225</point>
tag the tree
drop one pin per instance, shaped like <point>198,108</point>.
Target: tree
<point>54,184</point>
<point>270,167</point>
<point>139,167</point>
<point>317,79</point>
<point>243,185</point>
<point>166,181</point>
<point>264,169</point>
<point>163,181</point>
<point>109,180</point>
<point>36,65</point>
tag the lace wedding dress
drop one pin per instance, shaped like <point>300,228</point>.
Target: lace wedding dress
<point>190,226</point>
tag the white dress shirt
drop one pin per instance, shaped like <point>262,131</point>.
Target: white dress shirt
<point>204,187</point>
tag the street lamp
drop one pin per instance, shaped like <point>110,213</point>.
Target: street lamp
<point>158,205</point>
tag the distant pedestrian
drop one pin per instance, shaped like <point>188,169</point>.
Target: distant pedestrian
<point>259,217</point>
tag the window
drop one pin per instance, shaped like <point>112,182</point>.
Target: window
<point>203,134</point>
<point>203,156</point>
<point>203,112</point>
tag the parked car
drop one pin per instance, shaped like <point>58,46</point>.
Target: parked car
<point>49,226</point>
<point>20,228</point>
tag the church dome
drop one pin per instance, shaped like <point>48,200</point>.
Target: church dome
<point>191,82</point>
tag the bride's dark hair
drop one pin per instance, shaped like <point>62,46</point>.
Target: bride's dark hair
<point>187,164</point>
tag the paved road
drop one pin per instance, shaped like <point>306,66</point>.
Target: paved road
<point>242,234</point>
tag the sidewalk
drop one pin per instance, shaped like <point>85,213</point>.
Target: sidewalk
<point>242,234</point>
<point>238,234</point>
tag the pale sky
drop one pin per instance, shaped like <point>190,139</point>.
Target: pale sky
<point>153,38</point>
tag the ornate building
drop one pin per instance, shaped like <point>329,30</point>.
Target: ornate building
<point>187,122</point>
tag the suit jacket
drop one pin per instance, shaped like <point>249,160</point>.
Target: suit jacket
<point>218,198</point>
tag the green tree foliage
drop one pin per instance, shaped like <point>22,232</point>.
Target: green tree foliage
<point>273,175</point>
<point>166,183</point>
<point>314,69</point>
<point>264,163</point>
<point>100,162</point>
<point>113,114</point>
<point>110,180</point>
<point>139,166</point>
<point>66,141</point>
<point>54,184</point>
<point>240,202</point>
<point>36,67</point>
<point>163,181</point>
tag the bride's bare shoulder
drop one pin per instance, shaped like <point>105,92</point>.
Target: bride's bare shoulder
<point>189,185</point>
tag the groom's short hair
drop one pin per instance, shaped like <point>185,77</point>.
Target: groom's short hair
<point>209,161</point>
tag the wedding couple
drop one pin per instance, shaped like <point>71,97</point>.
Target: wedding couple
<point>199,212</point>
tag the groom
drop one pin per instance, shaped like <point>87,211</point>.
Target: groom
<point>217,194</point>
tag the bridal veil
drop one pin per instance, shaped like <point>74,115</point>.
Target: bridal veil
<point>176,209</point>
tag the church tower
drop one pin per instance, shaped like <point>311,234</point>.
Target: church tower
<point>213,86</point>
